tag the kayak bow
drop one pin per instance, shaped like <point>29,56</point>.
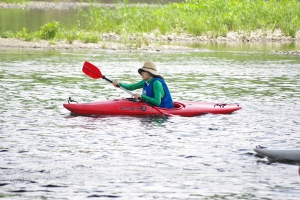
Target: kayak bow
<point>279,154</point>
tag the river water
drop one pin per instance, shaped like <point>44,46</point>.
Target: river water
<point>48,154</point>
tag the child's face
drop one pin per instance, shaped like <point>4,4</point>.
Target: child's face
<point>146,76</point>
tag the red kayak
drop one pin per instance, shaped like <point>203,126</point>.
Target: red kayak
<point>130,106</point>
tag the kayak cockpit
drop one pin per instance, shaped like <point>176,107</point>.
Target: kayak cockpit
<point>177,105</point>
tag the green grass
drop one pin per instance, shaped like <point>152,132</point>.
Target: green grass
<point>212,18</point>
<point>198,17</point>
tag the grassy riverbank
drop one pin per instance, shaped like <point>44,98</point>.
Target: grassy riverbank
<point>196,18</point>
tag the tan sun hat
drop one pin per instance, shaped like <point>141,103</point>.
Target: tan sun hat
<point>149,67</point>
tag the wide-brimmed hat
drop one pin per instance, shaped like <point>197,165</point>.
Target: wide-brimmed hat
<point>149,67</point>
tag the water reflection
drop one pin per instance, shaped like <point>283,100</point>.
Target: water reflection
<point>120,1</point>
<point>33,19</point>
<point>238,48</point>
<point>147,122</point>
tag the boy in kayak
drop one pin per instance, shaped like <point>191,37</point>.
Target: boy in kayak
<point>155,89</point>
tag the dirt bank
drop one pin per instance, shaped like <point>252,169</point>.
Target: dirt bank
<point>43,44</point>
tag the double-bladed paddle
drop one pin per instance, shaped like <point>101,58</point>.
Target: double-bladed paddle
<point>95,73</point>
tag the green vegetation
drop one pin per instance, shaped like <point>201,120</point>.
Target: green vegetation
<point>48,31</point>
<point>24,35</point>
<point>198,17</point>
<point>212,18</point>
<point>54,30</point>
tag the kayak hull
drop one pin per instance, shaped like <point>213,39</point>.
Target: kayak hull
<point>280,154</point>
<point>127,106</point>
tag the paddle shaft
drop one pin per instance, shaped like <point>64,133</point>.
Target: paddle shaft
<point>118,85</point>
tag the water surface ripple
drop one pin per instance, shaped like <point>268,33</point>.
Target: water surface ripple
<point>48,154</point>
